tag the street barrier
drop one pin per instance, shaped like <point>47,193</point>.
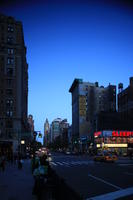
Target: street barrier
<point>58,189</point>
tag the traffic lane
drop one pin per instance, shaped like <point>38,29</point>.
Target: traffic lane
<point>62,157</point>
<point>77,178</point>
<point>95,180</point>
<point>120,174</point>
<point>114,173</point>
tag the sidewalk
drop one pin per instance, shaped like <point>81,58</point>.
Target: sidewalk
<point>16,184</point>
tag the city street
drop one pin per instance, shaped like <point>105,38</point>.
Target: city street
<point>91,179</point>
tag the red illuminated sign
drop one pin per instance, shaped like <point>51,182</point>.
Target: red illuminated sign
<point>122,133</point>
<point>96,134</point>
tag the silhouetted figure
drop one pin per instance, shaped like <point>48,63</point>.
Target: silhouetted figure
<point>19,163</point>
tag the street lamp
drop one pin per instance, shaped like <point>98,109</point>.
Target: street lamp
<point>21,144</point>
<point>34,149</point>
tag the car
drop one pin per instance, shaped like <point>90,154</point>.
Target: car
<point>110,158</point>
<point>105,157</point>
<point>99,157</point>
<point>67,152</point>
<point>124,154</point>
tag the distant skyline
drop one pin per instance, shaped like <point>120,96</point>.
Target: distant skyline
<point>91,40</point>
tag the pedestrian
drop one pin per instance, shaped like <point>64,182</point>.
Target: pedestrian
<point>40,174</point>
<point>20,163</point>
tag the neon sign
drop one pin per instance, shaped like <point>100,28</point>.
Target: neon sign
<point>114,134</point>
<point>122,133</point>
<point>96,134</point>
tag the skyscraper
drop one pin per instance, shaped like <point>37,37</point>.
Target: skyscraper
<point>13,82</point>
<point>46,140</point>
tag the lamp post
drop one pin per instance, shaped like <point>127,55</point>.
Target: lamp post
<point>34,148</point>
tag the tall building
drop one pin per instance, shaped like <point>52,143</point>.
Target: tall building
<point>31,123</point>
<point>13,82</point>
<point>46,140</point>
<point>55,128</point>
<point>88,99</point>
<point>125,101</point>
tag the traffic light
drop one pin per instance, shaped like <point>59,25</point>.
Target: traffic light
<point>40,135</point>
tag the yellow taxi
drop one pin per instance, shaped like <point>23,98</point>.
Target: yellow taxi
<point>110,158</point>
<point>105,157</point>
<point>99,157</point>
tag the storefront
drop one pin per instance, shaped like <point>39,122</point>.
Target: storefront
<point>119,142</point>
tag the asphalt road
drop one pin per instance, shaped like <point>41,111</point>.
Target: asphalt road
<point>90,178</point>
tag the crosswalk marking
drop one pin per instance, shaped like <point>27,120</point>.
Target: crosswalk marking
<point>81,162</point>
<point>67,164</point>
<point>53,163</point>
<point>71,163</point>
<point>60,163</point>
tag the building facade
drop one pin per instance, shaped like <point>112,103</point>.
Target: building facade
<point>55,128</point>
<point>88,99</point>
<point>125,101</point>
<point>46,139</point>
<point>13,82</point>
<point>31,123</point>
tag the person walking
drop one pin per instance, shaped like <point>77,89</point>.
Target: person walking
<point>40,174</point>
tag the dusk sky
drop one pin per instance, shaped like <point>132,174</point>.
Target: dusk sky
<point>72,39</point>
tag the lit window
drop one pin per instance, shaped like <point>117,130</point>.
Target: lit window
<point>9,102</point>
<point>9,113</point>
<point>10,51</point>
<point>10,28</point>
<point>10,60</point>
<point>10,39</point>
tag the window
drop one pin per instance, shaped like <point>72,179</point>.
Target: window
<point>10,39</point>
<point>9,91</point>
<point>10,60</point>
<point>9,72</point>
<point>10,28</point>
<point>10,51</point>
<point>9,113</point>
<point>9,103</point>
<point>9,82</point>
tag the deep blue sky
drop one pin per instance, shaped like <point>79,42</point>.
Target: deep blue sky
<point>67,40</point>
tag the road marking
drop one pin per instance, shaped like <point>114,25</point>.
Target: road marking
<point>99,179</point>
<point>53,163</point>
<point>79,162</point>
<point>59,163</point>
<point>66,164</point>
<point>71,163</point>
<point>114,195</point>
